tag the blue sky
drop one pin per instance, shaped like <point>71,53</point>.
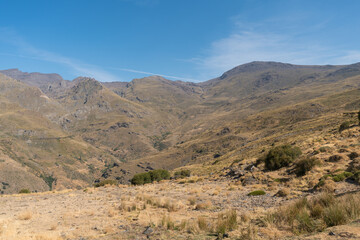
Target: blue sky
<point>190,40</point>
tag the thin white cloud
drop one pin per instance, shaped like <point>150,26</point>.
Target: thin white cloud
<point>79,68</point>
<point>157,74</point>
<point>30,52</point>
<point>257,44</point>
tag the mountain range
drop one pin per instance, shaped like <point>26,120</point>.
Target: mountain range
<point>57,134</point>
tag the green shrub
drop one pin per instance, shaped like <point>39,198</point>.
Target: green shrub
<point>305,165</point>
<point>305,224</point>
<point>342,176</point>
<point>159,174</point>
<point>344,125</point>
<point>24,190</point>
<point>257,193</point>
<point>141,179</point>
<point>106,182</point>
<point>182,174</point>
<point>335,215</point>
<point>149,177</point>
<point>49,179</point>
<point>281,156</point>
<point>356,177</point>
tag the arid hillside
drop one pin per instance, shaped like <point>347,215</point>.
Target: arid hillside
<point>68,134</point>
<point>243,201</point>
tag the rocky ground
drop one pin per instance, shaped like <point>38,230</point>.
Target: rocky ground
<point>167,210</point>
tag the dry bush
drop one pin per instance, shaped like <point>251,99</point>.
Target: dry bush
<point>53,227</point>
<point>109,230</point>
<point>25,215</point>
<point>192,227</point>
<point>215,193</point>
<point>125,206</point>
<point>169,204</point>
<point>44,237</point>
<point>226,221</point>
<point>249,233</point>
<point>305,165</point>
<point>203,224</point>
<point>111,212</point>
<point>167,222</point>
<point>192,201</point>
<point>284,192</point>
<point>244,217</point>
<point>183,225</point>
<point>203,206</point>
<point>335,215</point>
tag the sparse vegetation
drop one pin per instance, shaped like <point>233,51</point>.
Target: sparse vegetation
<point>281,156</point>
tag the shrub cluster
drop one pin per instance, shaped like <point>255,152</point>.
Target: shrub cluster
<point>25,190</point>
<point>344,126</point>
<point>304,165</point>
<point>335,177</point>
<point>182,174</point>
<point>334,158</point>
<point>306,216</point>
<point>281,156</point>
<point>149,177</point>
<point>353,155</point>
<point>356,177</point>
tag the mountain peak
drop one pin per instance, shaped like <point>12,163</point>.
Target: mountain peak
<point>256,66</point>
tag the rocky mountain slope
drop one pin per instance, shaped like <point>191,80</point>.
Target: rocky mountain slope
<point>59,134</point>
